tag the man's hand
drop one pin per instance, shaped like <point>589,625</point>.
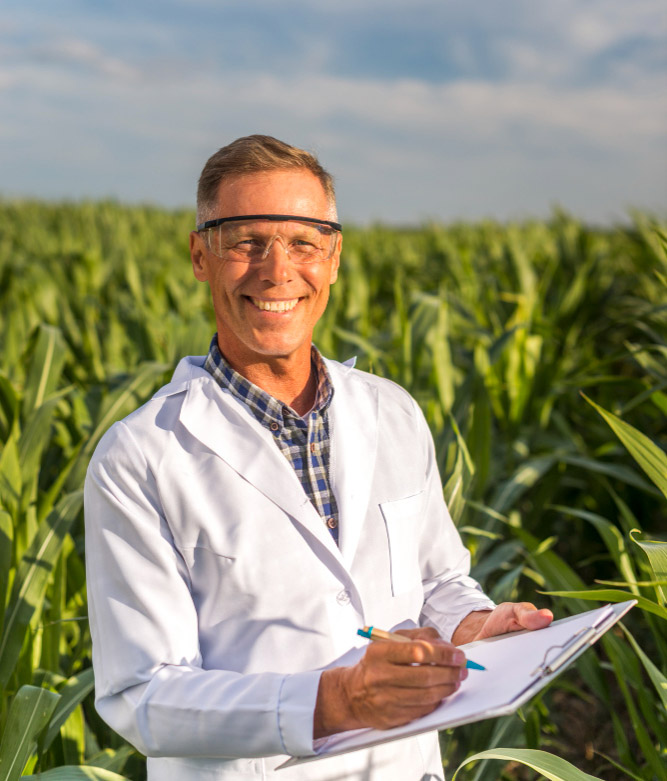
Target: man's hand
<point>506,617</point>
<point>392,684</point>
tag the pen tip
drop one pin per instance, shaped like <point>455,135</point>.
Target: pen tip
<point>474,666</point>
<point>364,633</point>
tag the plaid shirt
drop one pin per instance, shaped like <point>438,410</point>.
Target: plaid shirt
<point>305,443</point>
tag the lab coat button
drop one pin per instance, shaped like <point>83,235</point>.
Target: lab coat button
<point>343,597</point>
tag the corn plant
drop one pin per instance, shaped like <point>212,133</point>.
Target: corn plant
<point>537,352</point>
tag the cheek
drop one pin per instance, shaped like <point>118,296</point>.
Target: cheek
<point>226,281</point>
<point>320,279</point>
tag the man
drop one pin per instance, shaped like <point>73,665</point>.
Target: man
<point>247,520</point>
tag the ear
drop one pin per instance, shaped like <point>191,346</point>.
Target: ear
<point>199,256</point>
<point>335,259</point>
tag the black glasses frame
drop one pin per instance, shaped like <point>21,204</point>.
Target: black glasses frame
<point>272,217</point>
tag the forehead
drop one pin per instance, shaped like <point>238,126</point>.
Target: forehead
<point>274,192</point>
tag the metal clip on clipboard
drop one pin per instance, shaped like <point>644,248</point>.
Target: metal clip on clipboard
<point>580,640</point>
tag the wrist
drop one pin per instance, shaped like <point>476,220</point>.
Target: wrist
<point>470,627</point>
<point>332,707</point>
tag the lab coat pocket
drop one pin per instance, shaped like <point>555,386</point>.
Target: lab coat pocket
<point>401,518</point>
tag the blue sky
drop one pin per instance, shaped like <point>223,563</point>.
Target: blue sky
<point>422,109</point>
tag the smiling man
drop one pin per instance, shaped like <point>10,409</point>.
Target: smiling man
<point>269,291</point>
<point>246,521</point>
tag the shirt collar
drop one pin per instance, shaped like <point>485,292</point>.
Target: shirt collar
<point>263,406</point>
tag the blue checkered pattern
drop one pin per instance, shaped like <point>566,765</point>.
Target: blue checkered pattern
<point>305,442</point>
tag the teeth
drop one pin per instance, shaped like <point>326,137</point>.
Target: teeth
<point>275,306</point>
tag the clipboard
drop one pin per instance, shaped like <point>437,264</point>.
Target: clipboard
<point>518,665</point>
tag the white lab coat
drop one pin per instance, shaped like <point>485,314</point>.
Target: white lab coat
<point>217,594</point>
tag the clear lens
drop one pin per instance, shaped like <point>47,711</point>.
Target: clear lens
<point>251,241</point>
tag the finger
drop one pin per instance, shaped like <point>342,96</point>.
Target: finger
<point>417,652</point>
<point>425,676</point>
<point>392,706</point>
<point>421,633</point>
<point>415,698</point>
<point>532,618</point>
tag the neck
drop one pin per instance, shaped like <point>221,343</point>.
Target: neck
<point>292,382</point>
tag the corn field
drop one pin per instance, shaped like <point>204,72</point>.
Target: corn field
<point>538,352</point>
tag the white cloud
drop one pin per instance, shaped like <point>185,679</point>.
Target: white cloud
<point>77,52</point>
<point>97,117</point>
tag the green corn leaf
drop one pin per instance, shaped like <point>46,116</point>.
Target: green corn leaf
<point>486,510</point>
<point>475,532</point>
<point>31,579</point>
<point>658,678</point>
<point>656,553</point>
<point>11,479</point>
<point>9,405</point>
<point>76,773</point>
<point>29,713</point>
<point>612,595</point>
<point>645,452</point>
<point>631,584</point>
<point>612,538</point>
<point>111,759</point>
<point>71,695</point>
<point>620,767</point>
<point>46,365</point>
<point>624,667</point>
<point>618,471</point>
<point>6,542</point>
<point>47,500</point>
<point>626,517</point>
<point>73,740</point>
<point>458,481</point>
<point>524,478</point>
<point>444,368</point>
<point>35,437</point>
<point>549,564</point>
<point>552,767</point>
<point>507,730</point>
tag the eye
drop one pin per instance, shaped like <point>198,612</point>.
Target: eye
<point>303,247</point>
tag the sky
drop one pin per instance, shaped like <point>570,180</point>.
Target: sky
<point>421,109</point>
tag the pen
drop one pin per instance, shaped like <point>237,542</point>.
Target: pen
<point>371,633</point>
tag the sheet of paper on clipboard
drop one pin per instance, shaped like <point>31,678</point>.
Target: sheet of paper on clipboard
<point>518,665</point>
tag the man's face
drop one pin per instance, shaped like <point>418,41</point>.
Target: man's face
<point>249,334</point>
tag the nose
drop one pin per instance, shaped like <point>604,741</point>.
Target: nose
<point>276,266</point>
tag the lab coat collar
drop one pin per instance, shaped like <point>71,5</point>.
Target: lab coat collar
<point>221,422</point>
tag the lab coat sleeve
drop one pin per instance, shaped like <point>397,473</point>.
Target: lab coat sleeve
<point>150,684</point>
<point>450,594</point>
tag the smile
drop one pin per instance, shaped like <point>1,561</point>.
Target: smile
<point>275,306</point>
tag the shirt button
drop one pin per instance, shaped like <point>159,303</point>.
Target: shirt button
<point>274,426</point>
<point>343,597</point>
<point>332,523</point>
<point>313,447</point>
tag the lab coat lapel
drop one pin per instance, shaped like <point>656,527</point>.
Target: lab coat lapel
<point>218,421</point>
<point>353,426</point>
